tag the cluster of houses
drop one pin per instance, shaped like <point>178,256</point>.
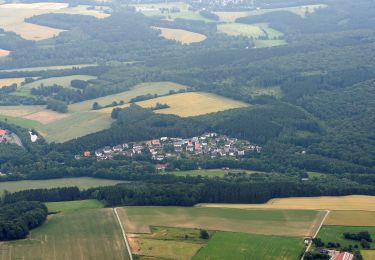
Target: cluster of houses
<point>5,135</point>
<point>209,144</point>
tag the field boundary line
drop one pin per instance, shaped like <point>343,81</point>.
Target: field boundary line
<point>123,234</point>
<point>316,233</point>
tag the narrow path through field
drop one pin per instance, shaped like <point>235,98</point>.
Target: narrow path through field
<point>124,234</point>
<point>316,233</point>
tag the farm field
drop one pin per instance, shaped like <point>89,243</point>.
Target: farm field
<point>166,243</point>
<point>81,119</point>
<point>298,10</point>
<point>353,202</point>
<point>79,231</point>
<point>4,53</point>
<point>335,234</point>
<point>238,29</point>
<point>351,218</point>
<point>9,81</point>
<point>181,36</point>
<point>16,22</point>
<point>81,182</point>
<point>184,12</point>
<point>250,246</point>
<point>189,104</point>
<point>270,222</point>
<point>25,123</point>
<point>62,67</point>
<point>368,254</point>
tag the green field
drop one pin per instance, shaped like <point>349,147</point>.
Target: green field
<point>62,67</point>
<point>81,183</point>
<point>167,243</point>
<point>238,29</point>
<point>269,222</point>
<point>335,234</point>
<point>82,230</point>
<point>208,173</point>
<point>61,81</point>
<point>226,245</point>
<point>184,12</point>
<point>23,122</point>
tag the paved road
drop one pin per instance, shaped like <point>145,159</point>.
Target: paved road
<point>123,234</point>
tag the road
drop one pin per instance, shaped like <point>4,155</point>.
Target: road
<point>124,234</point>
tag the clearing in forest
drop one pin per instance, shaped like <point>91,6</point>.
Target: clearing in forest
<point>239,29</point>
<point>353,202</point>
<point>80,230</point>
<point>269,222</point>
<point>189,104</point>
<point>181,36</point>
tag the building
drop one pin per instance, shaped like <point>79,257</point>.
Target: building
<point>344,256</point>
<point>87,153</point>
<point>3,132</point>
<point>160,167</point>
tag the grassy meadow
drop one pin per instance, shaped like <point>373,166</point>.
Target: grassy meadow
<point>335,234</point>
<point>167,243</point>
<point>190,104</point>
<point>353,202</point>
<point>269,222</point>
<point>228,245</point>
<point>81,182</point>
<point>238,29</point>
<point>82,230</point>
<point>368,254</point>
<point>181,36</point>
<point>16,22</point>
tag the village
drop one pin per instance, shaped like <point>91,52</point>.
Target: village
<point>209,144</point>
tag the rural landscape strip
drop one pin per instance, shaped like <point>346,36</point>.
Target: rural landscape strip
<point>123,234</point>
<point>316,233</point>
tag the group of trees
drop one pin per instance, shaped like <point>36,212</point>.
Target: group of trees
<point>16,219</point>
<point>57,105</point>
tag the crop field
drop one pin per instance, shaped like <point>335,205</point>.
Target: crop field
<point>61,81</point>
<point>238,29</point>
<point>351,218</point>
<point>298,10</point>
<point>81,182</point>
<point>79,231</point>
<point>269,222</point>
<point>353,202</point>
<point>9,81</point>
<point>189,104</point>
<point>181,36</point>
<point>16,22</point>
<point>4,53</point>
<point>62,67</point>
<point>167,243</point>
<point>250,246</point>
<point>183,13</point>
<point>368,254</point>
<point>335,234</point>
<point>81,119</point>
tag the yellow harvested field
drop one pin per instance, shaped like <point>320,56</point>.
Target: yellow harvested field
<point>181,36</point>
<point>19,12</point>
<point>189,104</point>
<point>46,117</point>
<point>10,81</point>
<point>231,17</point>
<point>368,254</point>
<point>351,218</point>
<point>353,202</point>
<point>4,53</point>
